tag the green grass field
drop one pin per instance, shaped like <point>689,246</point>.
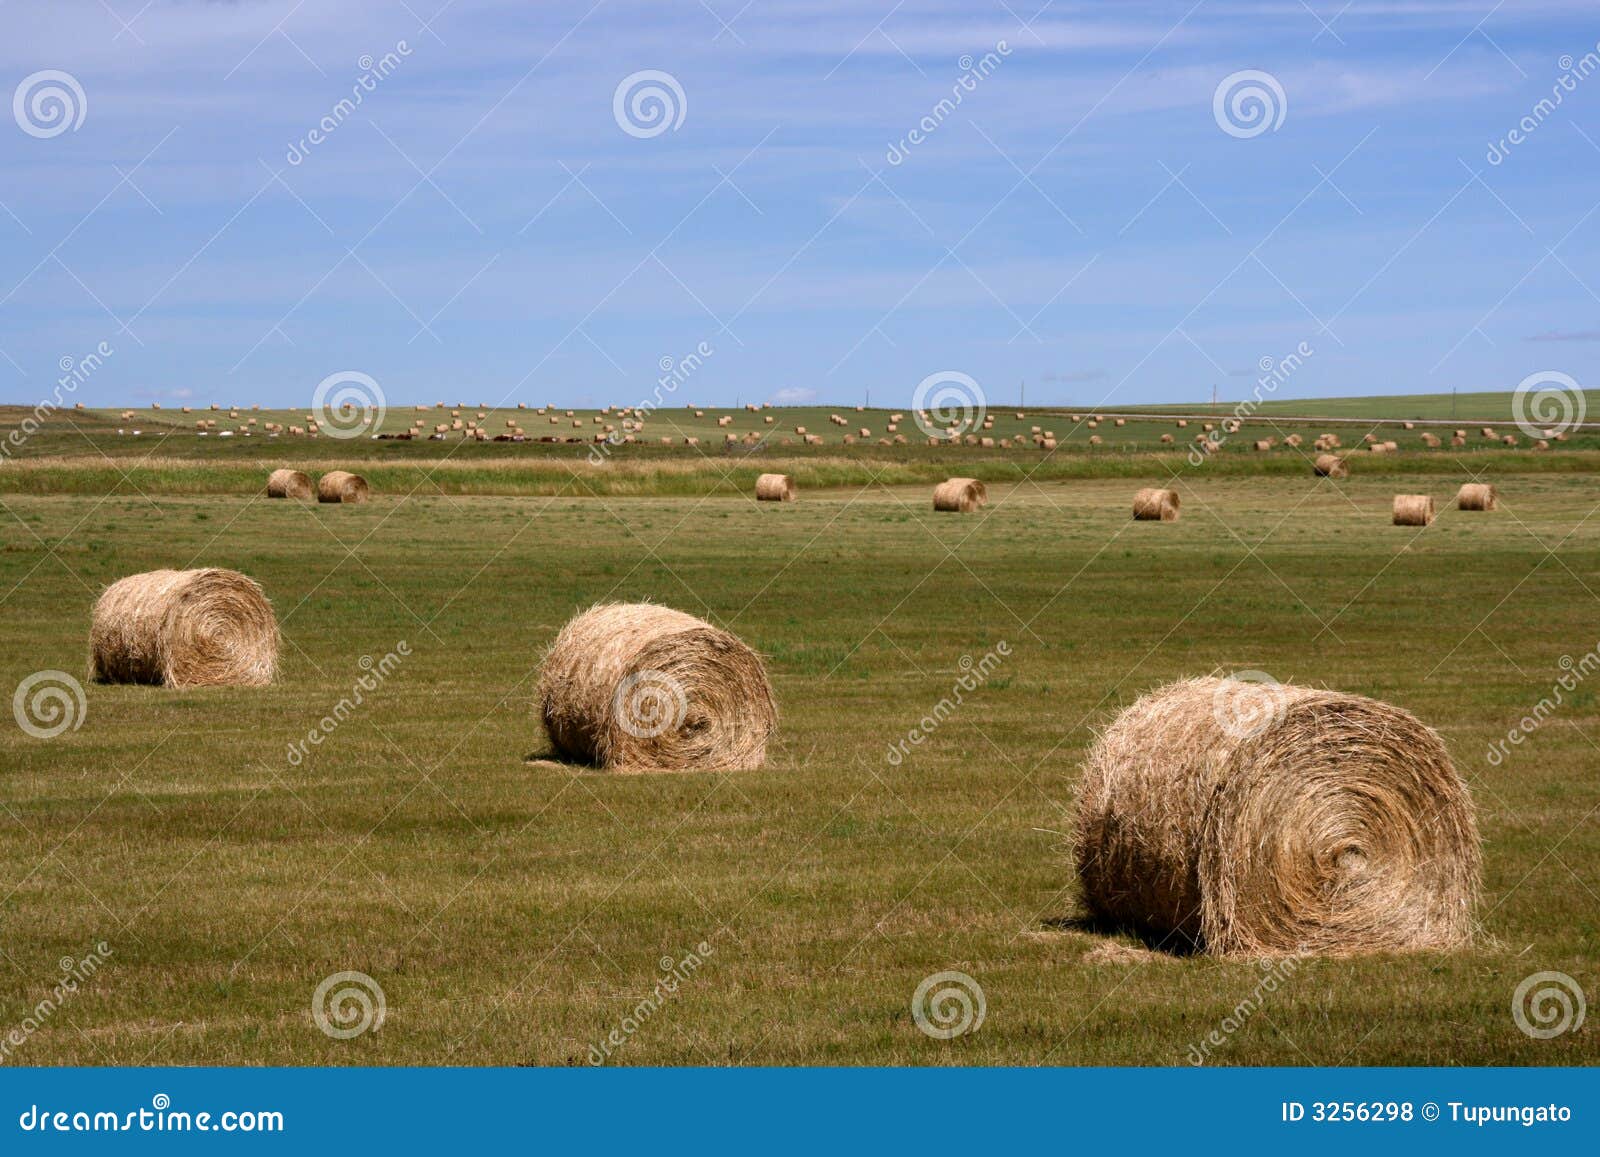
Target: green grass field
<point>515,910</point>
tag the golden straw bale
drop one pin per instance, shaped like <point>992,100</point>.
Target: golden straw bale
<point>1330,466</point>
<point>639,687</point>
<point>288,484</point>
<point>342,486</point>
<point>962,495</point>
<point>184,628</point>
<point>1153,504</point>
<point>776,488</point>
<point>1477,496</point>
<point>1260,819</point>
<point>1413,509</point>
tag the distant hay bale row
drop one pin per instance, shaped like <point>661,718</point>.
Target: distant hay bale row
<point>1155,505</point>
<point>775,488</point>
<point>634,686</point>
<point>962,495</point>
<point>341,486</point>
<point>184,628</point>
<point>1413,509</point>
<point>1262,819</point>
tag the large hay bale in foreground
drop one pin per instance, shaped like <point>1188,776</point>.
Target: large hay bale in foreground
<point>963,495</point>
<point>775,488</point>
<point>1330,466</point>
<point>1413,509</point>
<point>639,687</point>
<point>341,486</point>
<point>1153,504</point>
<point>1264,819</point>
<point>288,484</point>
<point>184,628</point>
<point>1477,496</point>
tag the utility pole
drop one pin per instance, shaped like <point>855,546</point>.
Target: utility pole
<point>1022,395</point>
<point>1213,393</point>
<point>869,397</point>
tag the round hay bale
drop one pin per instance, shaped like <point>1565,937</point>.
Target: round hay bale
<point>1477,496</point>
<point>1413,509</point>
<point>184,628</point>
<point>1153,504</point>
<point>1265,819</point>
<point>640,687</point>
<point>288,484</point>
<point>1330,466</point>
<point>963,495</point>
<point>341,486</point>
<point>775,488</point>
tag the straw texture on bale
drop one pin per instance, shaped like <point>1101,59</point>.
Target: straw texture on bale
<point>1331,466</point>
<point>775,488</point>
<point>288,484</point>
<point>1413,509</point>
<point>639,687</point>
<point>1153,504</point>
<point>963,495</point>
<point>341,486</point>
<point>1477,496</point>
<point>1264,819</point>
<point>184,628</point>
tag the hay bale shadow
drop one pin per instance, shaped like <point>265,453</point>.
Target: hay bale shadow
<point>1169,944</point>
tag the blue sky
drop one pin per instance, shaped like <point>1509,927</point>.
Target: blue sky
<point>482,227</point>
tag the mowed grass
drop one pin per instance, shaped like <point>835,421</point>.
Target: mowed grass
<point>516,910</point>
